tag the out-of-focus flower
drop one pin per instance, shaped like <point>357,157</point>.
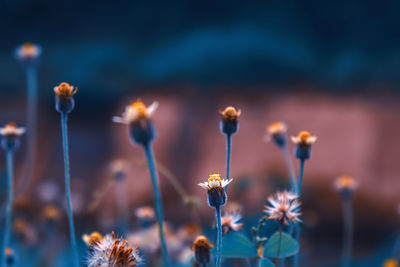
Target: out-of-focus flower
<point>11,134</point>
<point>277,133</point>
<point>9,257</point>
<point>26,232</point>
<point>92,239</point>
<point>215,189</point>
<point>345,183</point>
<point>201,248</point>
<point>119,168</point>
<point>189,232</point>
<point>112,251</point>
<point>230,222</point>
<point>28,52</point>
<point>64,97</point>
<point>138,117</point>
<point>146,216</point>
<point>391,263</point>
<point>185,255</point>
<point>304,141</point>
<point>283,207</point>
<point>51,213</point>
<point>49,191</point>
<point>229,120</point>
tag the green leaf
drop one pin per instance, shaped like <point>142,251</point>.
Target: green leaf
<point>265,263</point>
<point>236,245</point>
<point>289,246</point>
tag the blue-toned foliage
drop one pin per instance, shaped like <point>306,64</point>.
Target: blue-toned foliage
<point>236,245</point>
<point>289,246</point>
<point>265,263</point>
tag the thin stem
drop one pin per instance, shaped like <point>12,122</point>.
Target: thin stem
<point>31,120</point>
<point>228,154</point>
<point>7,226</point>
<point>279,244</point>
<point>300,177</point>
<point>348,230</point>
<point>64,130</point>
<point>290,167</point>
<point>157,199</point>
<point>122,206</point>
<point>219,236</point>
<point>297,256</point>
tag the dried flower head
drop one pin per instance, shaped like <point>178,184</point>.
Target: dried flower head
<point>391,263</point>
<point>283,207</point>
<point>92,239</point>
<point>215,190</point>
<point>28,52</point>
<point>135,112</point>
<point>64,97</point>
<point>201,248</point>
<point>11,130</point>
<point>304,141</point>
<point>277,133</point>
<point>229,120</point>
<point>345,183</point>
<point>51,213</point>
<point>145,213</point>
<point>230,222</point>
<point>112,251</point>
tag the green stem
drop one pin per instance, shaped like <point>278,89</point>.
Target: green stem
<point>7,226</point>
<point>157,199</point>
<point>64,130</point>
<point>219,235</point>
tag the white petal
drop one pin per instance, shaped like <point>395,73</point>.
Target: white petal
<point>119,120</point>
<point>153,107</point>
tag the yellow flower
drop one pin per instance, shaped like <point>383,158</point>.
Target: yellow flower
<point>11,130</point>
<point>304,138</point>
<point>92,239</point>
<point>135,112</point>
<point>345,182</point>
<point>276,128</point>
<point>391,263</point>
<point>230,113</point>
<point>28,51</point>
<point>65,90</point>
<point>51,213</point>
<point>215,181</point>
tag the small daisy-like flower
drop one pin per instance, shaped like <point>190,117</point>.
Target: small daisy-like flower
<point>277,133</point>
<point>201,248</point>
<point>11,134</point>
<point>92,239</point>
<point>28,52</point>
<point>283,207</point>
<point>64,97</point>
<point>391,263</point>
<point>146,216</point>
<point>304,141</point>
<point>230,222</point>
<point>229,119</point>
<point>9,256</point>
<point>112,251</point>
<point>135,112</point>
<point>138,117</point>
<point>345,184</point>
<point>215,189</point>
<point>51,213</point>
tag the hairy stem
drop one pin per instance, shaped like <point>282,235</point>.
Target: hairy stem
<point>157,199</point>
<point>64,130</point>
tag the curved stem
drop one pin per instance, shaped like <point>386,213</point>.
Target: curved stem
<point>279,244</point>
<point>300,177</point>
<point>348,230</point>
<point>64,130</point>
<point>31,120</point>
<point>157,199</point>
<point>290,167</point>
<point>7,226</point>
<point>219,236</point>
<point>228,154</point>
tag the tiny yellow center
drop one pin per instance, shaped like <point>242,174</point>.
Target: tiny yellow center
<point>303,136</point>
<point>214,177</point>
<point>275,127</point>
<point>140,107</point>
<point>346,182</point>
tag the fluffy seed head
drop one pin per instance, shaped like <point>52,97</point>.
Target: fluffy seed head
<point>283,207</point>
<point>230,222</point>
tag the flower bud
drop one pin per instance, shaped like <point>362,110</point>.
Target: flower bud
<point>229,123</point>
<point>64,97</point>
<point>11,134</point>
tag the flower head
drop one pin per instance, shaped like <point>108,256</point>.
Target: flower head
<point>277,132</point>
<point>112,251</point>
<point>92,239</point>
<point>11,134</point>
<point>146,216</point>
<point>391,263</point>
<point>28,52</point>
<point>283,207</point>
<point>304,141</point>
<point>119,168</point>
<point>230,222</point>
<point>229,119</point>
<point>201,248</point>
<point>51,213</point>
<point>9,256</point>
<point>136,112</point>
<point>64,97</point>
<point>215,190</point>
<point>138,117</point>
<point>345,184</point>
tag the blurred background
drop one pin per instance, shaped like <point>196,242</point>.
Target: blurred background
<point>332,68</point>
